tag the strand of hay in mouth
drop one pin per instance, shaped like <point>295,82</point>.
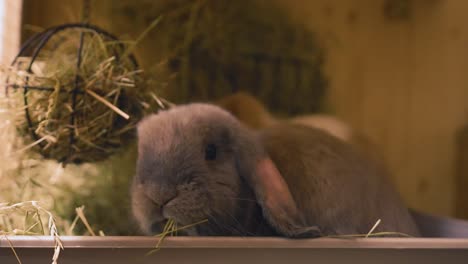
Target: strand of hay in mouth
<point>31,210</point>
<point>171,229</point>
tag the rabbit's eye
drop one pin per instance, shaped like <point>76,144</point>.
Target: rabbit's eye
<point>210,152</point>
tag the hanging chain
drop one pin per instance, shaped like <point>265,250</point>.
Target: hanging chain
<point>85,12</point>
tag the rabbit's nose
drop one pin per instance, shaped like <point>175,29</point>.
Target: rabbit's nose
<point>167,199</point>
<point>160,194</point>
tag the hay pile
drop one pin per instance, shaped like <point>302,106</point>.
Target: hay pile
<point>110,88</point>
<point>82,113</point>
<point>25,176</point>
<point>218,46</point>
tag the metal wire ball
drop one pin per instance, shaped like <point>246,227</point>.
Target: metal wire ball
<point>82,92</point>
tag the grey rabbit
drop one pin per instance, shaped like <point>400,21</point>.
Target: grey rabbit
<point>197,162</point>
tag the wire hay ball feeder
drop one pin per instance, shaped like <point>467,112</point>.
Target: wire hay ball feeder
<point>82,92</point>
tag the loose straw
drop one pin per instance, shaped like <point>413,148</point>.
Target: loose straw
<point>108,104</point>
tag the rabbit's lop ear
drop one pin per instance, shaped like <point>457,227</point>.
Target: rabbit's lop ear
<point>279,207</point>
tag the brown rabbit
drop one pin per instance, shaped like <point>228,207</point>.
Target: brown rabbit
<point>255,115</point>
<point>247,109</point>
<point>199,162</point>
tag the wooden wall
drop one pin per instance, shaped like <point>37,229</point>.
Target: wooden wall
<point>403,81</point>
<point>11,28</point>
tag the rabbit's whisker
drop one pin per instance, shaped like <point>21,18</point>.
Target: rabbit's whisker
<point>228,228</point>
<point>241,227</point>
<point>236,198</point>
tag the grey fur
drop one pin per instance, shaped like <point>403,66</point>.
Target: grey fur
<point>334,186</point>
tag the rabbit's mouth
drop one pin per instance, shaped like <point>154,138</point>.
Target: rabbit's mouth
<point>160,227</point>
<point>157,227</point>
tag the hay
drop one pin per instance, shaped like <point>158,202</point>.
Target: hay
<point>82,114</point>
<point>80,214</point>
<point>13,250</point>
<point>371,233</point>
<point>111,90</point>
<point>378,234</point>
<point>373,228</point>
<point>218,46</point>
<point>171,229</point>
<point>102,187</point>
<point>31,211</point>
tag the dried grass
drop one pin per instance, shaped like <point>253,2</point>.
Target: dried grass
<point>93,121</point>
<point>33,224</point>
<point>102,186</point>
<point>217,46</point>
<point>171,229</point>
<point>81,215</point>
<point>27,176</point>
<point>13,249</point>
<point>372,234</point>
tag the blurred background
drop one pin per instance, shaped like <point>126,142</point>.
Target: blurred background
<point>396,70</point>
